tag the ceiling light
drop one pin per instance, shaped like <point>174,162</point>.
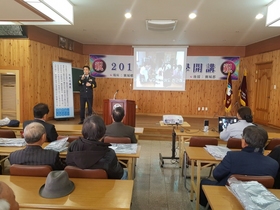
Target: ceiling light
<point>127,15</point>
<point>192,15</point>
<point>259,16</point>
<point>60,12</point>
<point>273,14</point>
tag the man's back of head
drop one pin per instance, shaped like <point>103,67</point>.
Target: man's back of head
<point>40,110</point>
<point>255,136</point>
<point>118,114</point>
<point>94,128</point>
<point>33,132</point>
<point>7,198</point>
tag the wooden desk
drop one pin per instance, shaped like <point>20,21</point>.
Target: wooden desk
<point>130,159</point>
<point>65,129</point>
<point>200,156</point>
<point>88,194</point>
<point>220,198</point>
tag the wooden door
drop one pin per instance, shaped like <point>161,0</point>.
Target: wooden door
<point>263,88</point>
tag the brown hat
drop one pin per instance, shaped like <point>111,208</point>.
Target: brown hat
<point>57,185</point>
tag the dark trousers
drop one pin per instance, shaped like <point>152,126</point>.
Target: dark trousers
<point>83,102</point>
<point>202,198</point>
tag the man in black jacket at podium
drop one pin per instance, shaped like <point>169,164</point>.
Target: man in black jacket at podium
<point>86,83</point>
<point>118,129</point>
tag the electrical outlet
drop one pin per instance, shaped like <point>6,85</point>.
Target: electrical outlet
<point>136,106</point>
<point>198,108</point>
<point>206,108</point>
<point>202,108</point>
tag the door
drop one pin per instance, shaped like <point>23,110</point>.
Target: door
<point>9,94</point>
<point>263,88</point>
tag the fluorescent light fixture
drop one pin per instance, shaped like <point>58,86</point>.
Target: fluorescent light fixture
<point>60,11</point>
<point>273,14</point>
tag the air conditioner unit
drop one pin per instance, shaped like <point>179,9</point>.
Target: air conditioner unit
<point>161,25</point>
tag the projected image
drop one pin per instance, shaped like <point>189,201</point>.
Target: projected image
<point>159,69</point>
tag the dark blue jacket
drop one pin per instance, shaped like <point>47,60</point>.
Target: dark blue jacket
<point>246,162</point>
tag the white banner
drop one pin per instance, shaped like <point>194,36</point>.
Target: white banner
<point>111,66</point>
<point>211,67</point>
<point>63,90</point>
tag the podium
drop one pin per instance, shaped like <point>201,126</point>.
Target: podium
<point>129,110</point>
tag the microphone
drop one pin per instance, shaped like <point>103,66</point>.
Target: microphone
<point>115,94</point>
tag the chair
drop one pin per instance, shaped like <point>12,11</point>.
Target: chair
<point>75,172</point>
<point>117,140</point>
<point>7,134</point>
<point>30,170</point>
<point>198,142</point>
<point>234,143</point>
<point>273,143</point>
<point>267,181</point>
<point>70,138</point>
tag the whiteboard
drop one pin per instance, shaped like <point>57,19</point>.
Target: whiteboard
<point>63,90</point>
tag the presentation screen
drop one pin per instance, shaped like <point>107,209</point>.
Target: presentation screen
<point>159,68</point>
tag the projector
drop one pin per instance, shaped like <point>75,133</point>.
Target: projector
<point>173,119</point>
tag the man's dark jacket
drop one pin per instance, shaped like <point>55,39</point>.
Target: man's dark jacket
<point>50,129</point>
<point>89,154</point>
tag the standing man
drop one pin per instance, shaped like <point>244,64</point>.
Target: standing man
<point>86,83</point>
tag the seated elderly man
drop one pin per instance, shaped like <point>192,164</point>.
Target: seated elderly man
<point>90,152</point>
<point>117,128</point>
<point>34,154</point>
<point>249,161</point>
<point>7,198</point>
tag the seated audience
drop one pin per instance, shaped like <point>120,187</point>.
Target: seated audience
<point>89,152</point>
<point>117,128</point>
<point>234,130</point>
<point>249,161</point>
<point>40,112</point>
<point>275,154</point>
<point>7,198</point>
<point>33,153</point>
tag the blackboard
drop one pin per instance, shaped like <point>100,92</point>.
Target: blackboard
<point>76,72</point>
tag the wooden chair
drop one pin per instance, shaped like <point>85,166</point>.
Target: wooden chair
<point>116,140</point>
<point>234,143</point>
<point>75,172</point>
<point>70,138</point>
<point>267,181</point>
<point>7,134</point>
<point>273,143</point>
<point>30,170</point>
<point>198,142</point>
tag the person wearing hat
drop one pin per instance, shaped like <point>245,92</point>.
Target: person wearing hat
<point>40,112</point>
<point>7,198</point>
<point>89,152</point>
<point>33,153</point>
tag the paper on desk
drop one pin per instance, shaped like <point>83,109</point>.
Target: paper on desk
<point>58,145</point>
<point>218,152</point>
<point>252,195</point>
<point>12,142</point>
<point>124,148</point>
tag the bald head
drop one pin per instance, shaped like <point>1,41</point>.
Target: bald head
<point>7,198</point>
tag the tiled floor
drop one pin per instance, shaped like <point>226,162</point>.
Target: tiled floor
<point>157,188</point>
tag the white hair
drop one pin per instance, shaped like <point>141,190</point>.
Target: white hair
<point>4,205</point>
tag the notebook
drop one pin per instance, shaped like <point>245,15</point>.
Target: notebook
<point>224,121</point>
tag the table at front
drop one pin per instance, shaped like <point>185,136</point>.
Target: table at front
<point>130,158</point>
<point>220,198</point>
<point>88,193</point>
<point>186,135</point>
<point>199,156</point>
<point>65,129</point>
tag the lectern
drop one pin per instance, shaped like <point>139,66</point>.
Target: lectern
<point>128,106</point>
